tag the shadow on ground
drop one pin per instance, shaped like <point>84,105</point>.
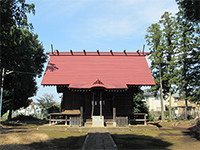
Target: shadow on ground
<point>156,124</point>
<point>194,132</point>
<point>69,143</point>
<point>132,141</point>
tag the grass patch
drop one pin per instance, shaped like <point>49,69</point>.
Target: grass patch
<point>26,136</point>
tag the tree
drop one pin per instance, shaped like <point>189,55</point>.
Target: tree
<point>170,41</point>
<point>190,9</point>
<point>174,51</point>
<point>189,60</point>
<point>154,40</point>
<point>138,105</point>
<point>47,102</point>
<point>163,55</point>
<point>21,52</point>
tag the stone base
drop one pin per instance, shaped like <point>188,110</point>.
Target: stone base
<point>98,121</point>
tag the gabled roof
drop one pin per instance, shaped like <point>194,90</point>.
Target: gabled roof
<point>85,70</point>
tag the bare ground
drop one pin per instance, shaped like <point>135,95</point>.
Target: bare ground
<point>168,135</point>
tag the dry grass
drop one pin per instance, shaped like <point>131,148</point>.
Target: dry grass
<point>17,138</point>
<point>169,136</point>
<point>29,138</point>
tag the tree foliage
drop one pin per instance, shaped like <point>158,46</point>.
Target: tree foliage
<point>189,59</point>
<point>47,102</point>
<point>174,52</point>
<point>190,9</point>
<point>138,105</point>
<point>21,52</point>
<point>155,41</point>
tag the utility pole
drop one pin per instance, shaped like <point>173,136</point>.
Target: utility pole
<point>2,79</point>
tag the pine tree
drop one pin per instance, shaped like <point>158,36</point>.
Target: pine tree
<point>163,54</point>
<point>189,60</point>
<point>155,41</point>
<point>170,41</point>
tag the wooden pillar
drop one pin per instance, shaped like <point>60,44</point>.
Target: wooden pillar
<point>81,111</point>
<point>114,114</point>
<point>100,104</point>
<point>50,120</point>
<point>92,104</point>
<point>145,119</point>
<point>65,119</point>
<point>114,111</point>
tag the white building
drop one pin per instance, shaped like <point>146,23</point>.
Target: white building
<point>153,102</point>
<point>33,109</point>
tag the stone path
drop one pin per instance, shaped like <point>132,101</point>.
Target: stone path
<point>99,141</point>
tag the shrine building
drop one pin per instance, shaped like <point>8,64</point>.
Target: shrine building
<point>97,87</point>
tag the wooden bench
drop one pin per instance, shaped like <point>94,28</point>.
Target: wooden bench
<point>70,117</point>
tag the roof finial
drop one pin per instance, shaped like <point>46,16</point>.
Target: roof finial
<point>138,51</point>
<point>71,51</point>
<point>57,51</point>
<point>84,51</point>
<point>98,52</point>
<point>125,52</point>
<point>111,52</point>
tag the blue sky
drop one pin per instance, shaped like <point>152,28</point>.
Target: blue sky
<point>95,24</point>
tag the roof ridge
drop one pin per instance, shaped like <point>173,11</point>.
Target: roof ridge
<point>98,53</point>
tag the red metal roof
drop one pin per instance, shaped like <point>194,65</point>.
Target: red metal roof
<point>113,70</point>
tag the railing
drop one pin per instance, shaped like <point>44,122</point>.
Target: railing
<point>55,118</point>
<point>136,119</point>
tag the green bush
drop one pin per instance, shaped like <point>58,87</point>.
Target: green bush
<point>151,117</point>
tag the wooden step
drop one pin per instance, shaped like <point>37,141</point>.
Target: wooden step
<point>88,124</point>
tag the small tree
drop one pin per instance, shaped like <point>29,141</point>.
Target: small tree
<point>138,105</point>
<point>47,102</point>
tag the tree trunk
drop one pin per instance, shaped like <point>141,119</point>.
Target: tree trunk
<point>186,108</point>
<point>12,104</point>
<point>10,111</point>
<point>170,106</point>
<point>161,94</point>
